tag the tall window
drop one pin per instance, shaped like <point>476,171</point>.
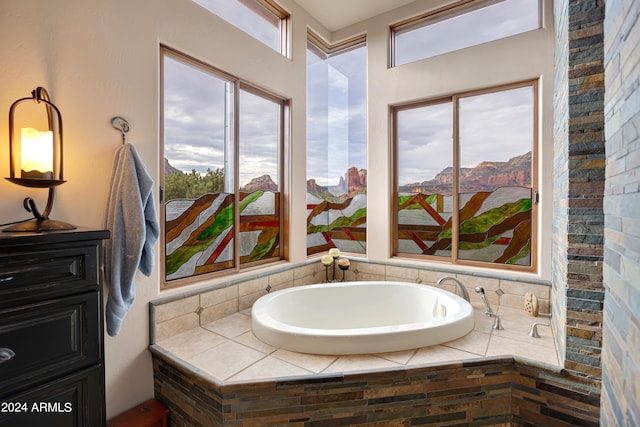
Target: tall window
<point>466,182</point>
<point>336,147</point>
<point>460,25</point>
<point>263,20</point>
<point>223,144</point>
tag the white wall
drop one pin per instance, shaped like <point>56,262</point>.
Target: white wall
<point>98,59</point>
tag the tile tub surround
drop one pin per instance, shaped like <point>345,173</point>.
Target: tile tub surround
<point>227,350</point>
<point>203,340</point>
<point>496,391</point>
<point>182,312</point>
<point>220,374</point>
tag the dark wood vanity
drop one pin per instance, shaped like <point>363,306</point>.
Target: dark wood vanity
<point>51,329</point>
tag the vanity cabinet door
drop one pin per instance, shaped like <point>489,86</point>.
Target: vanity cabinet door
<point>51,329</point>
<point>42,341</point>
<point>72,401</point>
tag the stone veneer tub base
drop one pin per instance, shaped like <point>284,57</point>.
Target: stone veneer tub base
<point>491,391</point>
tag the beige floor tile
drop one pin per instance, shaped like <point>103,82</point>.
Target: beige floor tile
<point>484,323</point>
<point>519,316</point>
<point>360,362</point>
<point>226,360</point>
<point>474,342</point>
<point>250,340</point>
<point>192,342</point>
<point>401,357</point>
<point>504,346</point>
<point>269,367</point>
<point>517,325</point>
<point>438,354</point>
<point>522,334</point>
<point>230,326</point>
<point>228,350</point>
<point>311,362</point>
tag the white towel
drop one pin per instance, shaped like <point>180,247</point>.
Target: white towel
<point>131,218</point>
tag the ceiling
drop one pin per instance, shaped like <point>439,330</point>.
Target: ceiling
<point>337,14</point>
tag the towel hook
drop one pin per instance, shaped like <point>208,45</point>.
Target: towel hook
<point>121,124</point>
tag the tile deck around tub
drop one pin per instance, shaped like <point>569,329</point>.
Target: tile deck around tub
<point>227,349</point>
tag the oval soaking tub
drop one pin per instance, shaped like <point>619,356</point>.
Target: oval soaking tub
<point>360,317</point>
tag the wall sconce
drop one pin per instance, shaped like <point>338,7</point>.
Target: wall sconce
<point>39,151</point>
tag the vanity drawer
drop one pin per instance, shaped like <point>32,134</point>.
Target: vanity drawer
<point>45,340</point>
<point>37,275</point>
<point>71,401</point>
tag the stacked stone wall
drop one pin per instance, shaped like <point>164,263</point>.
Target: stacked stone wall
<point>621,349</point>
<point>579,182</point>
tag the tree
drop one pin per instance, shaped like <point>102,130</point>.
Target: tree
<point>194,184</point>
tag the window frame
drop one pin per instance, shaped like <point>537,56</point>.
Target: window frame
<point>325,50</point>
<point>285,24</point>
<point>267,9</point>
<point>454,260</point>
<point>283,184</point>
<point>452,10</point>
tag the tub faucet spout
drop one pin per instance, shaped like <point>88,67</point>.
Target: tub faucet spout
<point>480,290</point>
<point>497,323</point>
<point>462,291</point>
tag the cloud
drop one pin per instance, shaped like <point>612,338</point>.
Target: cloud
<point>500,20</point>
<point>259,137</point>
<point>496,126</point>
<point>336,115</point>
<point>194,128</point>
<point>493,127</point>
<point>252,23</point>
<point>425,144</point>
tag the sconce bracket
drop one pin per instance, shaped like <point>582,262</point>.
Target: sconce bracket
<point>37,183</point>
<point>42,225</point>
<point>41,221</point>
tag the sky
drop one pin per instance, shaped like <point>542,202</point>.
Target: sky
<point>336,115</point>
<point>494,127</point>
<point>195,128</point>
<point>502,19</point>
<point>233,11</point>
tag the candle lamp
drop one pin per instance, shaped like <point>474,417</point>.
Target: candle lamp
<point>327,261</point>
<point>335,254</point>
<point>40,162</point>
<point>343,264</point>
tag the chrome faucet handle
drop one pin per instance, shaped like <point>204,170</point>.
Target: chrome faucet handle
<point>533,333</point>
<point>497,323</point>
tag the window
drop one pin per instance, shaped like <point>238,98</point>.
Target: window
<point>466,182</point>
<point>336,147</point>
<point>460,25</point>
<point>223,145</point>
<point>263,20</point>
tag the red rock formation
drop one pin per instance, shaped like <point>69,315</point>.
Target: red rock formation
<point>263,182</point>
<point>486,176</point>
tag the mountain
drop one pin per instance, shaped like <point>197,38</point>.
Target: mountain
<point>486,176</point>
<point>353,182</point>
<point>168,169</point>
<point>263,182</point>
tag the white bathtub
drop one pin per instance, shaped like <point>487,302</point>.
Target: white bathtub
<point>360,317</point>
